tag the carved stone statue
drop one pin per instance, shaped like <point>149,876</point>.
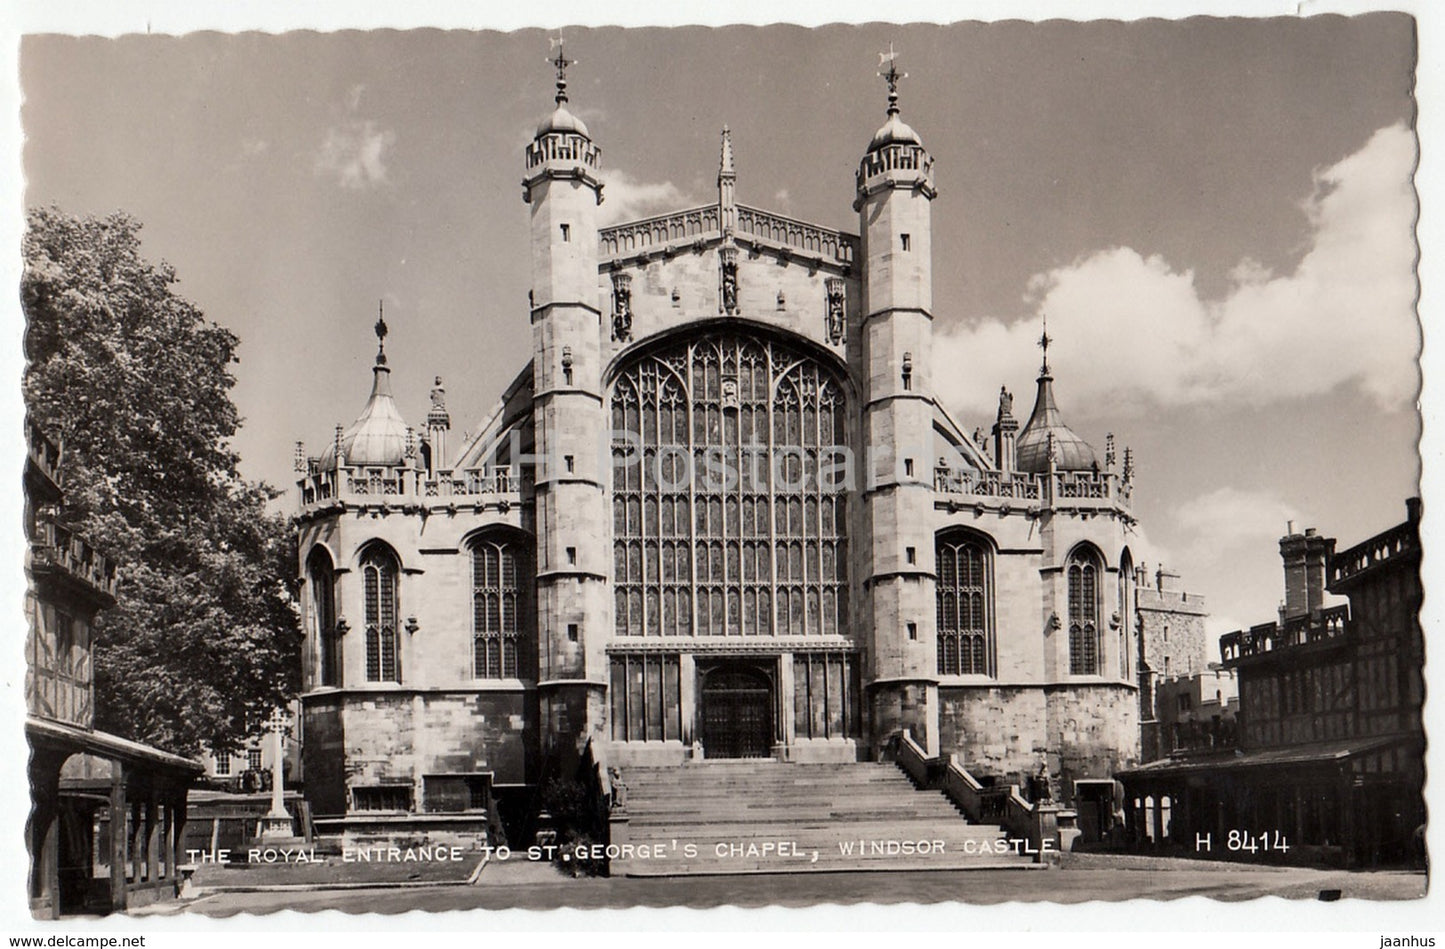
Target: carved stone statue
<point>622,307</point>
<point>730,285</point>
<point>1005,402</point>
<point>836,311</point>
<point>729,393</point>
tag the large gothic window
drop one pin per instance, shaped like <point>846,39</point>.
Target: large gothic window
<point>500,581</point>
<point>323,613</point>
<point>725,515</point>
<point>963,606</point>
<point>1083,574</point>
<point>379,587</point>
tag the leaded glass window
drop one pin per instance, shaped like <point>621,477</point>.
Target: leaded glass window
<point>726,517</point>
<point>323,612</point>
<point>499,584</point>
<point>963,607</point>
<point>1083,576</point>
<point>379,576</point>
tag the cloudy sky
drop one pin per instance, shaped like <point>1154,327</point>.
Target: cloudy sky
<point>1214,215</point>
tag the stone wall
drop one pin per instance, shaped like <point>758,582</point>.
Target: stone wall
<point>1008,733</point>
<point>1093,732</point>
<point>996,731</point>
<point>397,737</point>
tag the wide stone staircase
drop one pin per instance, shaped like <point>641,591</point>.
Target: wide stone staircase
<point>765,816</point>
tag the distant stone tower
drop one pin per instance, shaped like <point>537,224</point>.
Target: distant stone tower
<point>573,604</point>
<point>894,195</point>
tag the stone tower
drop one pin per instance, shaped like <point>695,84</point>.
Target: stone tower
<point>894,195</point>
<point>573,606</point>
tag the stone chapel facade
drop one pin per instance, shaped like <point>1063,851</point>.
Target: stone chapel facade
<point>719,514</point>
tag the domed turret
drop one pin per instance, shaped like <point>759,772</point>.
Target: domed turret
<point>378,437</point>
<point>895,131</point>
<point>562,121</point>
<point>1046,425</point>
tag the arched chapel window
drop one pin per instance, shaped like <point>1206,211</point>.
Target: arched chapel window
<point>323,613</point>
<point>1083,575</point>
<point>725,521</point>
<point>379,587</point>
<point>500,584</point>
<point>964,605</point>
<point>1125,614</point>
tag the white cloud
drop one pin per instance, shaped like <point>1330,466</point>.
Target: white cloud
<point>355,153</point>
<point>1228,519</point>
<point>628,199</point>
<point>1134,328</point>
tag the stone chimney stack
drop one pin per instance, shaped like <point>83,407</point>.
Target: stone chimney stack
<point>1306,558</point>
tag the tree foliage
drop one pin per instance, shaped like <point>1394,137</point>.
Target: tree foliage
<point>204,641</point>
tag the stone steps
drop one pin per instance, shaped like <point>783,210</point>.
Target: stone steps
<point>770,817</point>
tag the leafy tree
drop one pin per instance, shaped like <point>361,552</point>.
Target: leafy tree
<point>204,641</point>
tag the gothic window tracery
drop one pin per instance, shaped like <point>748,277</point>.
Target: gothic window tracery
<point>1083,576</point>
<point>379,589</point>
<point>964,604</point>
<point>724,522</point>
<point>499,607</point>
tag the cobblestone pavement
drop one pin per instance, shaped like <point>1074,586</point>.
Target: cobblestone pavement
<point>537,887</point>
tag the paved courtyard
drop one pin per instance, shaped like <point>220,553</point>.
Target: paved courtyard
<point>538,887</point>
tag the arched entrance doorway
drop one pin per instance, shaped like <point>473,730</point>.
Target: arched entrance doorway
<point>737,713</point>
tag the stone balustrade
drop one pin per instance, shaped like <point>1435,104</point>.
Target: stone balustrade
<point>361,485</point>
<point>1394,543</point>
<point>563,148</point>
<point>897,157</point>
<point>807,238</point>
<point>651,233</point>
<point>670,232</point>
<point>1262,639</point>
<point>1063,488</point>
<point>1004,805</point>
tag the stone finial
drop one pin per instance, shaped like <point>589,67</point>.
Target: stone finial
<point>1005,403</point>
<point>1128,464</point>
<point>1109,456</point>
<point>298,458</point>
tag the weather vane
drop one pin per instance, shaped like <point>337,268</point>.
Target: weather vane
<point>380,333</point>
<point>891,77</point>
<point>561,63</point>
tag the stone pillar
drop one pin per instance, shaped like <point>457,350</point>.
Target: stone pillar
<point>786,690</point>
<point>687,697</point>
<point>118,836</point>
<point>277,823</point>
